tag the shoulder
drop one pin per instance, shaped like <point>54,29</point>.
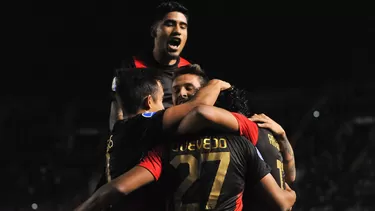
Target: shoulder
<point>128,62</point>
<point>183,62</point>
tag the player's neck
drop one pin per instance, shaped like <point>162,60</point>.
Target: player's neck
<point>140,111</point>
<point>162,59</point>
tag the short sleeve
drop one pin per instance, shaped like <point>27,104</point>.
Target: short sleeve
<point>152,162</point>
<point>247,127</point>
<point>256,168</point>
<point>154,134</point>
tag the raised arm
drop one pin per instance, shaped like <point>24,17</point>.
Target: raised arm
<point>115,114</point>
<point>286,149</point>
<point>207,95</point>
<point>203,117</point>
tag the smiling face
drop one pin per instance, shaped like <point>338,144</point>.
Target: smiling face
<point>184,87</point>
<point>171,34</point>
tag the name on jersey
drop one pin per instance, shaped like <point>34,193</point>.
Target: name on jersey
<point>204,143</point>
<point>273,141</point>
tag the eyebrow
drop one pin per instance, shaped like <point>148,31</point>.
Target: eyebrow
<point>184,84</point>
<point>175,21</point>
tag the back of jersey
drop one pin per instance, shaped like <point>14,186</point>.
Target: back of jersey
<point>256,198</point>
<point>208,172</point>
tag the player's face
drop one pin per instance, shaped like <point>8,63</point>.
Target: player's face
<point>156,104</point>
<point>184,88</point>
<point>171,34</point>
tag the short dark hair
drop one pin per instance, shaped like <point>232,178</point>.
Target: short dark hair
<point>193,69</point>
<point>167,7</point>
<point>235,100</point>
<point>133,86</point>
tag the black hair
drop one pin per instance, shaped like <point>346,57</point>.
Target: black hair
<point>235,100</point>
<point>165,8</point>
<point>193,69</point>
<point>133,86</point>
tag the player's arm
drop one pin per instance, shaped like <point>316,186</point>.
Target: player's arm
<point>207,95</point>
<point>203,117</point>
<point>259,170</point>
<point>115,114</point>
<point>148,170</point>
<point>122,185</point>
<point>285,199</point>
<point>115,110</point>
<point>285,147</point>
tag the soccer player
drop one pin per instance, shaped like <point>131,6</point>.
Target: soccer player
<point>147,122</point>
<point>278,152</point>
<point>213,152</point>
<point>275,145</point>
<point>170,32</point>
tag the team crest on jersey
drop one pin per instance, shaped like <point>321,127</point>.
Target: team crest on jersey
<point>148,114</point>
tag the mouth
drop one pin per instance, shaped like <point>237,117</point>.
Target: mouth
<point>174,43</point>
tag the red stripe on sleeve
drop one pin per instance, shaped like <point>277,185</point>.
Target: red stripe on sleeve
<point>239,203</point>
<point>152,162</point>
<point>247,128</point>
<point>138,63</point>
<point>183,62</point>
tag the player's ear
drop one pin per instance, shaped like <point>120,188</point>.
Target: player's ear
<point>153,31</point>
<point>148,102</point>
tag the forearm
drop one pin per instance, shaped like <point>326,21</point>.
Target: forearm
<point>115,114</point>
<point>100,199</point>
<point>208,94</point>
<point>282,198</point>
<point>288,156</point>
<point>203,117</point>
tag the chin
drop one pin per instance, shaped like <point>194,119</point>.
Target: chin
<point>173,55</point>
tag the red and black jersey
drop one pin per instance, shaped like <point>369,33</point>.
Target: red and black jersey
<point>270,152</point>
<point>130,141</point>
<point>148,61</point>
<point>207,172</point>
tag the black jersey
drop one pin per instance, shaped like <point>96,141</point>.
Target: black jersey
<point>207,172</point>
<point>148,61</point>
<point>265,142</point>
<point>129,142</point>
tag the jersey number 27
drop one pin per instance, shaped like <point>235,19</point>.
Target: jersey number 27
<point>223,157</point>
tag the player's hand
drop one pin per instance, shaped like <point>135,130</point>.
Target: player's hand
<point>292,194</point>
<point>264,121</point>
<point>223,84</point>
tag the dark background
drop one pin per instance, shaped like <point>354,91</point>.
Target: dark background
<point>55,100</point>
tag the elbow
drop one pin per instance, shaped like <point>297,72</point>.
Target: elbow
<point>291,175</point>
<point>121,189</point>
<point>290,178</point>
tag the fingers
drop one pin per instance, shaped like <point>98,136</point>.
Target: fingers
<point>264,125</point>
<point>287,187</point>
<point>259,118</point>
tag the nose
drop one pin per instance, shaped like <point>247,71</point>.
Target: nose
<point>183,93</point>
<point>176,30</point>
